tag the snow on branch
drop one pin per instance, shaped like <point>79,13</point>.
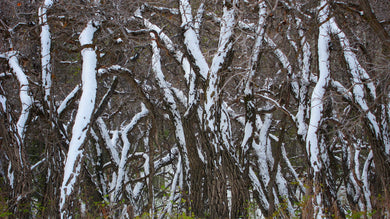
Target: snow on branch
<point>158,164</point>
<point>191,40</point>
<point>199,18</point>
<point>258,188</point>
<point>83,117</point>
<point>104,101</point>
<point>292,170</point>
<point>260,31</point>
<point>225,44</point>
<point>319,90</point>
<point>173,11</point>
<point>134,121</point>
<point>359,74</point>
<point>304,68</point>
<point>189,72</point>
<point>172,48</point>
<point>3,100</point>
<point>170,101</point>
<point>110,143</point>
<point>103,71</point>
<point>175,180</point>
<point>115,196</point>
<point>45,48</point>
<point>24,93</point>
<point>276,103</point>
<point>314,145</point>
<point>65,103</point>
<point>286,64</point>
<point>366,182</point>
<point>341,90</point>
<point>359,78</point>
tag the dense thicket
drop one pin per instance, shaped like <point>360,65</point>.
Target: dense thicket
<point>211,109</point>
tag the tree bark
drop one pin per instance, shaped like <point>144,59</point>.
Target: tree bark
<point>376,26</point>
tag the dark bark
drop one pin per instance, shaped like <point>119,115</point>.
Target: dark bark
<point>376,26</point>
<point>197,168</point>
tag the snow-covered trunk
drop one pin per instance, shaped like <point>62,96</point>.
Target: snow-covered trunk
<point>238,193</point>
<point>304,68</point>
<point>213,143</point>
<point>54,160</point>
<point>212,105</point>
<point>384,109</point>
<point>82,121</point>
<point>26,102</point>
<point>197,165</point>
<point>250,109</point>
<point>196,168</point>
<point>250,139</point>
<point>260,148</point>
<point>172,106</point>
<point>3,100</point>
<point>320,88</point>
<point>272,182</point>
<point>45,50</point>
<point>314,141</point>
